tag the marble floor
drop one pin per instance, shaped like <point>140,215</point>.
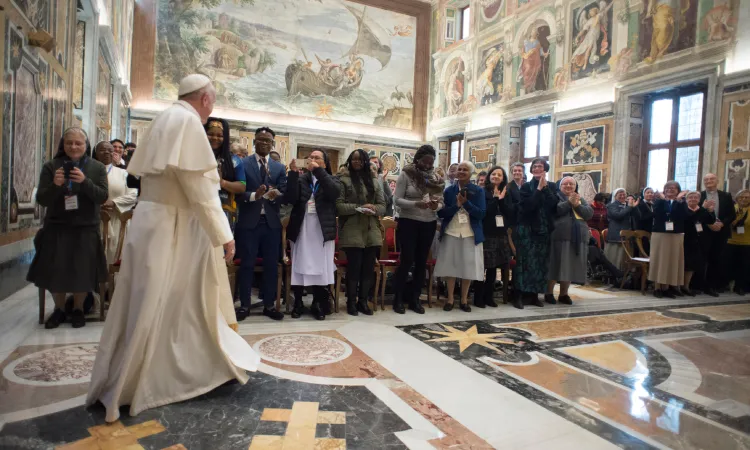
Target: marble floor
<point>614,370</point>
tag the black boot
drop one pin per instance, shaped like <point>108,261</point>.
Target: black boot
<point>299,307</point>
<point>398,304</point>
<point>351,306</point>
<point>416,306</point>
<point>364,308</point>
<point>479,293</point>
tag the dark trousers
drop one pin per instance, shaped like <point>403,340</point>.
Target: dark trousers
<point>320,297</point>
<point>360,270</point>
<point>484,291</point>
<point>249,242</point>
<point>738,257</point>
<point>596,256</point>
<point>416,239</point>
<point>715,246</point>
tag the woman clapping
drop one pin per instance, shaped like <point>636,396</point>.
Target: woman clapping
<point>667,265</point>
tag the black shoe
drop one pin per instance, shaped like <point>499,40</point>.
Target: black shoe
<point>669,294</point>
<point>711,292</point>
<point>658,293</point>
<point>398,308</point>
<point>479,302</point>
<point>298,310</point>
<point>416,307</point>
<point>77,319</point>
<point>317,312</point>
<point>517,302</point>
<point>676,292</point>
<point>448,307</point>
<point>491,303</point>
<point>351,307</point>
<point>687,292</point>
<point>739,291</point>
<point>364,308</point>
<point>54,321</point>
<point>465,307</point>
<point>549,298</point>
<point>273,314</point>
<point>536,302</point>
<point>241,314</point>
<point>565,300</point>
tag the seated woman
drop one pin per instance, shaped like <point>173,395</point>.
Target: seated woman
<point>569,249</point>
<point>599,220</point>
<point>121,198</point>
<point>699,218</point>
<point>461,253</point>
<point>69,251</point>
<point>667,265</point>
<point>536,213</point>
<point>231,172</point>
<point>738,248</point>
<point>359,205</point>
<point>312,231</point>
<point>623,214</point>
<point>497,252</point>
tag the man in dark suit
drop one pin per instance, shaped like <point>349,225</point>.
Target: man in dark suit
<point>259,223</point>
<point>715,238</point>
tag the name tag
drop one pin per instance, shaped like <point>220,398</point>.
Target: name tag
<point>740,230</point>
<point>71,202</point>
<point>311,209</point>
<point>669,226</point>
<point>463,218</point>
<point>699,227</point>
<point>499,221</point>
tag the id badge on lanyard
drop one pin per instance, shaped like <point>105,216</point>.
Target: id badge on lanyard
<point>669,226</point>
<point>499,221</point>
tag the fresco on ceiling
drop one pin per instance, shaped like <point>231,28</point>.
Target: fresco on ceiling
<point>534,66</point>
<point>324,59</point>
<point>592,38</point>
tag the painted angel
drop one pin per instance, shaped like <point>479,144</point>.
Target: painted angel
<point>592,25</point>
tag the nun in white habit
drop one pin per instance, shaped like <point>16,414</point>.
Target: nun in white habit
<point>168,334</point>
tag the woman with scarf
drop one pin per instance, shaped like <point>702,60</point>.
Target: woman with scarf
<point>667,263</point>
<point>699,218</point>
<point>536,216</point>
<point>461,236</point>
<point>312,231</point>
<point>231,171</point>
<point>738,248</point>
<point>69,251</point>
<point>599,220</point>
<point>570,237</point>
<point>359,205</point>
<point>623,214</point>
<point>418,197</point>
<point>497,252</point>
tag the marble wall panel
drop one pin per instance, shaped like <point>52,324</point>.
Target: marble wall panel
<point>592,157</point>
<point>394,157</point>
<point>483,153</point>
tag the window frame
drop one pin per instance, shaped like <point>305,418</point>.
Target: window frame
<point>461,147</point>
<point>530,123</point>
<point>646,147</point>
<point>461,18</point>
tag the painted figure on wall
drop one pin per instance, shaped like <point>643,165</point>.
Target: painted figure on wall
<point>589,183</point>
<point>535,60</point>
<point>491,8</point>
<point>667,26</point>
<point>490,81</point>
<point>591,49</point>
<point>454,87</point>
<point>719,22</point>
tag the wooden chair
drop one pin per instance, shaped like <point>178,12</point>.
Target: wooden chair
<point>633,261</point>
<point>386,262</point>
<point>114,268</point>
<point>234,267</point>
<point>341,264</point>
<point>605,232</point>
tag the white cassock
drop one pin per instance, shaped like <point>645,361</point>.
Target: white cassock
<point>167,337</point>
<point>124,199</point>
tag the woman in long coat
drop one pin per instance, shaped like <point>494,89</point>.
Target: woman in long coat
<point>569,250</point>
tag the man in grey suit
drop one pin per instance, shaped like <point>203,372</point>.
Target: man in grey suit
<point>259,223</point>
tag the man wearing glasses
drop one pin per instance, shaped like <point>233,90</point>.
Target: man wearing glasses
<point>259,223</point>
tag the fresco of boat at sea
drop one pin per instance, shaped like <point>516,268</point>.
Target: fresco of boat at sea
<point>324,59</point>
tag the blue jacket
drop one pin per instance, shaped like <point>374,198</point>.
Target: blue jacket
<point>249,214</point>
<point>475,205</point>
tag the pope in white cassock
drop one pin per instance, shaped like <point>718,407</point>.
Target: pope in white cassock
<point>169,332</point>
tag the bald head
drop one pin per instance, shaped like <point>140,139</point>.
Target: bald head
<point>710,182</point>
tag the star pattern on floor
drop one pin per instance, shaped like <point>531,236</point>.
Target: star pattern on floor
<point>467,338</point>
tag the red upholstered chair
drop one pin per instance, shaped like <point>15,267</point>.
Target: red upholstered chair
<point>597,237</point>
<point>234,267</point>
<point>389,260</point>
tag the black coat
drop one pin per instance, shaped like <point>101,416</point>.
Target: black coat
<point>677,215</point>
<point>298,192</point>
<point>533,200</point>
<point>646,218</point>
<point>727,213</point>
<point>514,192</point>
<point>497,207</point>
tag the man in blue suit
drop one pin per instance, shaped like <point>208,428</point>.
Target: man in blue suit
<point>259,223</point>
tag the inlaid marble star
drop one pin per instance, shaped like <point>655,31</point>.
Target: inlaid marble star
<point>467,338</point>
<point>324,110</point>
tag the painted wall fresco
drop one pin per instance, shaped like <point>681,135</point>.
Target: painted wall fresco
<point>534,63</point>
<point>394,158</point>
<point>585,153</point>
<point>78,63</point>
<point>103,101</point>
<point>490,80</point>
<point>326,59</point>
<point>734,141</point>
<point>482,153</point>
<point>592,38</point>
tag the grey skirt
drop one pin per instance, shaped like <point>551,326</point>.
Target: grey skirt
<point>565,264</point>
<point>667,264</point>
<point>460,258</point>
<point>615,253</point>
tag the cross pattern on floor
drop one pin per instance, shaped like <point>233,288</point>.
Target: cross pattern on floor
<point>115,436</point>
<point>302,421</point>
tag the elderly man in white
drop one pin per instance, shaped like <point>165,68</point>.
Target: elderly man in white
<point>169,333</point>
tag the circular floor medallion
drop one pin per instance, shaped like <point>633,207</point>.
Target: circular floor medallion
<point>302,349</point>
<point>58,366</point>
